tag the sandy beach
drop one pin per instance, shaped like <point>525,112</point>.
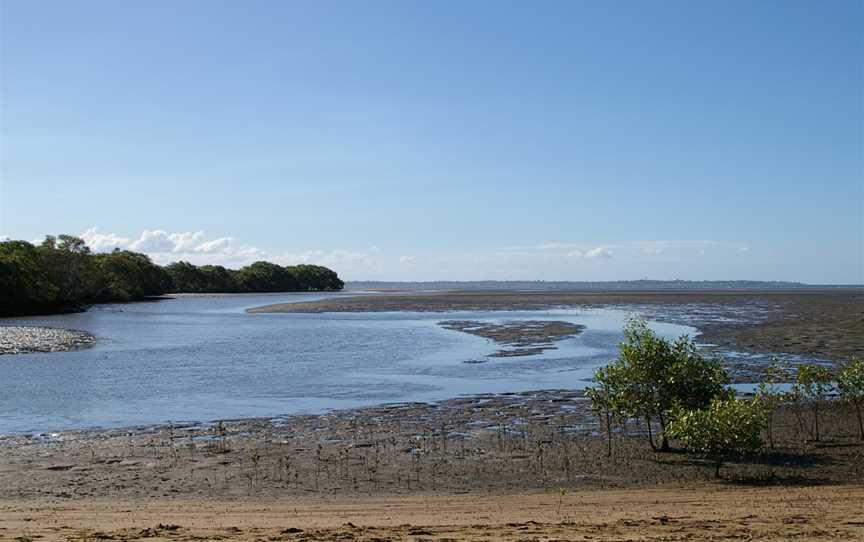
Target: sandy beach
<point>699,513</point>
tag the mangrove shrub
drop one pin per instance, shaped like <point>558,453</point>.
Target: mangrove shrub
<point>652,376</point>
<point>725,429</point>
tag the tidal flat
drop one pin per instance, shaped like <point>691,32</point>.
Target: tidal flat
<point>503,464</point>
<point>203,358</point>
<point>531,441</point>
<point>819,323</point>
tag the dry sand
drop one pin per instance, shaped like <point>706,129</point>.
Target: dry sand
<point>699,513</point>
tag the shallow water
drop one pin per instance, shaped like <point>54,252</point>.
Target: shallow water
<point>205,358</point>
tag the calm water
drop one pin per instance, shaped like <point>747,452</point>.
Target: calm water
<point>204,358</point>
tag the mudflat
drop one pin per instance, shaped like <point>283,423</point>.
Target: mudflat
<point>525,338</point>
<point>491,444</point>
<point>699,513</point>
<point>823,323</point>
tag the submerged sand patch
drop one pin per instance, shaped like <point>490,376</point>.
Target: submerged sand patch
<point>522,337</point>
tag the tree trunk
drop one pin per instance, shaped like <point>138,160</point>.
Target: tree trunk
<point>664,445</point>
<point>860,422</point>
<point>717,466</point>
<point>769,426</point>
<point>816,418</point>
<point>650,434</point>
<point>609,433</point>
<point>799,417</point>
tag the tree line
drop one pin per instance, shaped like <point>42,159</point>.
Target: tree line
<point>674,391</point>
<point>62,274</point>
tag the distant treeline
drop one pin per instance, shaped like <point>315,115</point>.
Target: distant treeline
<point>62,274</point>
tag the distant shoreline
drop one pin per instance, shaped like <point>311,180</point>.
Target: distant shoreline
<point>607,286</point>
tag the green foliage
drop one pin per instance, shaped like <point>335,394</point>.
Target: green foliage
<point>770,395</point>
<point>315,277</point>
<point>850,380</point>
<point>258,277</point>
<point>812,384</point>
<point>775,374</point>
<point>216,278</point>
<point>693,380</point>
<point>652,376</point>
<point>127,276</point>
<point>850,385</point>
<point>62,274</point>
<point>185,277</point>
<point>67,262</point>
<point>608,398</point>
<point>266,277</point>
<point>726,428</point>
<point>25,285</point>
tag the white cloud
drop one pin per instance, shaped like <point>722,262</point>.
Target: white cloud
<point>599,252</point>
<point>543,247</point>
<point>548,260</point>
<point>353,264</point>
<point>665,246</point>
<point>104,242</point>
<point>222,245</point>
<point>4,238</point>
<point>668,249</point>
<point>166,247</point>
<point>308,256</point>
<point>185,242</point>
<point>158,241</point>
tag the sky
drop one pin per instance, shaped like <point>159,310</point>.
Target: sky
<point>443,140</point>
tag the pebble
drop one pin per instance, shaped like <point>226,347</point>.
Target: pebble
<point>27,339</point>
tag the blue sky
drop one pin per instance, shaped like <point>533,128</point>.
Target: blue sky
<point>435,140</point>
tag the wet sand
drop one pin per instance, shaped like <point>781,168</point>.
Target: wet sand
<point>826,324</point>
<point>495,443</point>
<point>522,338</point>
